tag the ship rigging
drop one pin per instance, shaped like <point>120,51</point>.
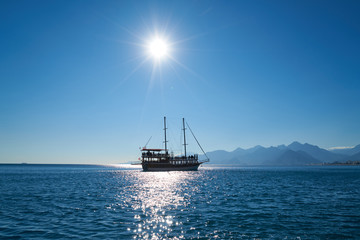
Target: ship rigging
<point>160,160</point>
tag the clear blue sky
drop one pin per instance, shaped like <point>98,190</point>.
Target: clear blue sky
<point>78,87</point>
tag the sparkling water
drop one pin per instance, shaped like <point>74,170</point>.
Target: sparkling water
<point>122,202</point>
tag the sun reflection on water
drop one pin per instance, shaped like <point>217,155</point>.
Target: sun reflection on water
<point>155,198</point>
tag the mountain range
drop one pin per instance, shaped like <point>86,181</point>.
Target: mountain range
<point>295,154</point>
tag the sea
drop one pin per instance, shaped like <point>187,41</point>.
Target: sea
<point>216,202</point>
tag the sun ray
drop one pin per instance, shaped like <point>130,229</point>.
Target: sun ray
<point>158,49</point>
<point>132,33</point>
<point>189,38</point>
<point>187,68</point>
<point>126,78</point>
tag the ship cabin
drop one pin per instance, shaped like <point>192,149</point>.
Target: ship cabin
<point>163,156</point>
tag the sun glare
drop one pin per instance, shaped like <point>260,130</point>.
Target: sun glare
<point>158,48</point>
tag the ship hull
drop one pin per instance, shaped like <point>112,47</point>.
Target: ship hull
<point>158,167</point>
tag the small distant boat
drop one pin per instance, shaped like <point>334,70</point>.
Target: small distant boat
<point>160,159</point>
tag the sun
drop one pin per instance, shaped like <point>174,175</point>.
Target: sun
<point>158,48</point>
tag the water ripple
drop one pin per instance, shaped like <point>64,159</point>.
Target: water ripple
<point>98,202</point>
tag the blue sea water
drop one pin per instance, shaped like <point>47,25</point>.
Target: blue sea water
<point>122,202</point>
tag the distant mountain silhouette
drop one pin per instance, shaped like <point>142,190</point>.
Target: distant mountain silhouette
<point>347,151</point>
<point>292,158</point>
<point>355,157</point>
<point>316,152</point>
<point>282,155</point>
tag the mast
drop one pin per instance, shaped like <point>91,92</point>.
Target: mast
<point>165,134</point>
<point>184,137</point>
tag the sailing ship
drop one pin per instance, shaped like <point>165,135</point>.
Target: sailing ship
<point>160,160</point>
